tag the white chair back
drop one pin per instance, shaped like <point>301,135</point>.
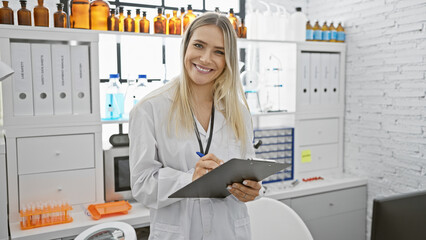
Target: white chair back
<point>272,219</point>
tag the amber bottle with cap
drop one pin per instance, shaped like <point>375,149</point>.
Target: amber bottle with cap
<point>233,19</point>
<point>24,15</point>
<point>160,22</point>
<point>242,30</point>
<point>80,14</point>
<point>129,23</point>
<point>188,17</point>
<point>182,14</point>
<point>99,13</point>
<point>333,33</point>
<point>144,24</point>
<point>6,14</point>
<point>341,36</point>
<point>167,23</point>
<point>121,18</point>
<point>60,17</point>
<point>41,15</point>
<point>112,21</point>
<point>137,20</point>
<point>174,24</point>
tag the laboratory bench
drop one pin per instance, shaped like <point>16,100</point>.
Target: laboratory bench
<point>329,200</point>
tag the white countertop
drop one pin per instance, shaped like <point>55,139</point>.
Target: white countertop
<point>138,216</point>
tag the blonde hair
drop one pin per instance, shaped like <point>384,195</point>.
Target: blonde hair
<point>227,88</point>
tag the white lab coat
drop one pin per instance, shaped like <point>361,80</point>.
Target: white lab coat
<point>160,164</point>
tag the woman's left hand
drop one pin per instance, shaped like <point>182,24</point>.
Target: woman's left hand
<point>245,192</point>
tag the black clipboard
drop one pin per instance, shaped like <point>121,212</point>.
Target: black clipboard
<point>214,183</point>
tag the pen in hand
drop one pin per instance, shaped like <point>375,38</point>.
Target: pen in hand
<point>199,154</point>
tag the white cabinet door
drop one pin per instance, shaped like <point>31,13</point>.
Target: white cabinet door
<point>77,187</point>
<point>55,153</point>
<point>318,131</point>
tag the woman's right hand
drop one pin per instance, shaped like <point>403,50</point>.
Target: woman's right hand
<point>206,164</point>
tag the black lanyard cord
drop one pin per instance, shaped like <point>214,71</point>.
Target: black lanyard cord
<point>197,133</point>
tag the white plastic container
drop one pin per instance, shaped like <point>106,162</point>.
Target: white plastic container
<point>298,25</point>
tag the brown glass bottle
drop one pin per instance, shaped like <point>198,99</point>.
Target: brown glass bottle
<point>24,15</point>
<point>160,22</point>
<point>121,19</point>
<point>99,13</point>
<point>167,23</point>
<point>6,14</point>
<point>60,17</point>
<point>242,30</point>
<point>137,20</point>
<point>79,17</point>
<point>129,23</point>
<point>188,17</point>
<point>144,24</point>
<point>112,21</point>
<point>182,14</point>
<point>233,19</point>
<point>175,24</point>
<point>41,15</point>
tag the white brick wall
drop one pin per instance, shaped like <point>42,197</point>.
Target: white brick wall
<point>385,126</point>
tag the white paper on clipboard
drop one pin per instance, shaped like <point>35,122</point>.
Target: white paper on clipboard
<point>214,183</point>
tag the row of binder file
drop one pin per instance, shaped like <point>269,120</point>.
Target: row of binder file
<point>320,78</point>
<point>50,79</point>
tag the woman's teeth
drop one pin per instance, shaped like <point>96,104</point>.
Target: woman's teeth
<point>202,69</point>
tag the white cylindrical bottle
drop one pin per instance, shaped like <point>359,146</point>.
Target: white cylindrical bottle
<point>298,25</point>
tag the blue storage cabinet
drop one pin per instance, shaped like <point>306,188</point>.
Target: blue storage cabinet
<point>277,144</point>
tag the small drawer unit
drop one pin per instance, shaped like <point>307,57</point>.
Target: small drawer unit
<point>277,144</point>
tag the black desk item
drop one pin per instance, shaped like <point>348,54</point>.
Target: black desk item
<point>214,183</point>
<point>402,216</point>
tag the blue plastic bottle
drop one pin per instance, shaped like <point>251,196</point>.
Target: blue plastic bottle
<point>114,104</point>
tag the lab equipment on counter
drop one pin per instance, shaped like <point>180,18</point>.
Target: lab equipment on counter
<point>97,211</point>
<point>109,231</point>
<point>42,214</point>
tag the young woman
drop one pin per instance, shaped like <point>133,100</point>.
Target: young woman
<point>202,110</point>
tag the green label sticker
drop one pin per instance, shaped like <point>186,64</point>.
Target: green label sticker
<point>306,156</point>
